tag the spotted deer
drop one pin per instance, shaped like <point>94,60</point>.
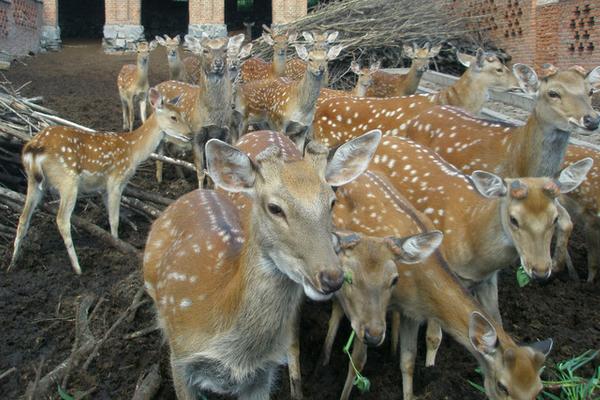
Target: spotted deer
<point>340,119</point>
<point>286,106</point>
<point>535,149</point>
<point>133,84</point>
<point>72,161</point>
<point>231,340</point>
<point>296,67</point>
<point>363,81</point>
<point>256,69</point>
<point>177,70</point>
<point>201,102</point>
<point>386,84</point>
<point>383,279</point>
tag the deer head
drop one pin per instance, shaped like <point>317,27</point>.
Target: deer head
<point>487,67</point>
<point>530,211</point>
<point>292,199</point>
<point>169,116</point>
<point>512,372</point>
<point>563,97</point>
<point>236,53</point>
<point>172,45</point>
<point>371,264</point>
<point>279,41</point>
<point>420,56</point>
<point>317,58</point>
<point>320,40</point>
<point>365,75</point>
<point>143,50</point>
<point>214,55</point>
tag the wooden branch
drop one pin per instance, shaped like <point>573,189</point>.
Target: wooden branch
<point>62,121</point>
<point>174,161</point>
<point>148,196</point>
<point>148,384</point>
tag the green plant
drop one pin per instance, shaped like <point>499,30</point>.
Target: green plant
<point>63,394</point>
<point>361,382</point>
<point>522,278</point>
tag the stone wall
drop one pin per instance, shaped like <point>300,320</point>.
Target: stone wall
<point>20,27</point>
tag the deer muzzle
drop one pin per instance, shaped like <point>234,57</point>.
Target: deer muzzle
<point>590,122</point>
<point>330,280</point>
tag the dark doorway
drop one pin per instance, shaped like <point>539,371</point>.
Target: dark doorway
<point>161,17</point>
<point>81,18</point>
<point>239,11</point>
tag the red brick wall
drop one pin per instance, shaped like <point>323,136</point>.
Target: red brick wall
<point>122,12</point>
<point>20,26</point>
<point>207,11</point>
<point>579,44</point>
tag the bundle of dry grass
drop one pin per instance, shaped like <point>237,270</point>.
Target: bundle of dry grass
<point>376,29</point>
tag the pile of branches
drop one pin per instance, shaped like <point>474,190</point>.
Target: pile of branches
<point>377,29</point>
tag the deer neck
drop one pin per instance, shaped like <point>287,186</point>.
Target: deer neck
<point>413,77</point>
<point>536,149</point>
<point>278,64</point>
<point>216,92</point>
<point>360,90</point>
<point>468,93</point>
<point>175,66</point>
<point>144,140</point>
<point>142,71</point>
<point>307,92</point>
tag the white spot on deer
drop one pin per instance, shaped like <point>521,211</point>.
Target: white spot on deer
<point>185,303</point>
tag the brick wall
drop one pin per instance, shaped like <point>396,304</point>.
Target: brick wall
<point>285,11</point>
<point>207,12</point>
<point>122,12</point>
<point>20,26</point>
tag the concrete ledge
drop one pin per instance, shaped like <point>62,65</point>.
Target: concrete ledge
<point>118,38</point>
<point>212,30</point>
<point>50,38</point>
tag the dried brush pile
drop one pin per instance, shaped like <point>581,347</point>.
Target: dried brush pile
<point>377,29</point>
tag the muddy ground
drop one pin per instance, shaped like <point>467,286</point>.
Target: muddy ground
<point>38,298</point>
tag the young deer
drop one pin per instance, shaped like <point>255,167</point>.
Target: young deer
<point>338,120</point>
<point>382,280</point>
<point>73,161</point>
<point>248,31</point>
<point>133,85</point>
<point>296,68</point>
<point>390,85</point>
<point>257,69</point>
<point>287,106</point>
<point>176,67</point>
<point>363,82</point>
<point>231,340</point>
<point>535,149</point>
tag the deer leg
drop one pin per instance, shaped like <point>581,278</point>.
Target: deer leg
<point>124,106</point>
<point>131,112</point>
<point>487,294</point>
<point>294,361</point>
<point>179,383</point>
<point>68,198</point>
<point>114,192</point>
<point>359,356</point>
<point>159,165</point>
<point>433,339</point>
<point>198,150</point>
<point>592,244</point>
<point>34,195</point>
<point>334,323</point>
<point>409,330</point>
<point>261,387</point>
<point>143,107</point>
<point>395,332</point>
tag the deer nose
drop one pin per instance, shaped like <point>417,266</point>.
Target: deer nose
<point>373,336</point>
<point>321,68</point>
<point>591,123</point>
<point>331,281</point>
<point>541,275</point>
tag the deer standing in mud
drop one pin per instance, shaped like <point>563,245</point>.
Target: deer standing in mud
<point>231,340</point>
<point>74,161</point>
<point>133,85</point>
<point>287,106</point>
<point>389,273</point>
<point>177,70</point>
<point>386,84</point>
<point>338,120</point>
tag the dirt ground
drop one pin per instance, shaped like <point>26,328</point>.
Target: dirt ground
<point>38,298</point>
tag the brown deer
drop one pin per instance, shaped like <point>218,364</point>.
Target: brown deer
<point>248,31</point>
<point>72,161</point>
<point>133,84</point>
<point>286,106</point>
<point>535,149</point>
<point>383,280</point>
<point>338,120</point>
<point>257,69</point>
<point>295,68</point>
<point>386,84</point>
<point>176,67</point>
<point>231,340</point>
<point>363,81</point>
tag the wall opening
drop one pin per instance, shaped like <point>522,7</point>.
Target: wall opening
<point>81,19</point>
<point>161,17</point>
<point>239,11</point>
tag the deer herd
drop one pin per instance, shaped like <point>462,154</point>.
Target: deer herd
<point>419,201</point>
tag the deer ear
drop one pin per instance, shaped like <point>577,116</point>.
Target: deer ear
<point>308,36</point>
<point>155,98</point>
<point>482,334</point>
<point>335,51</point>
<point>177,39</point>
<point>152,45</point>
<point>229,168</point>
<point>572,176</point>
<point>408,51</point>
<point>489,185</point>
<point>354,67</point>
<point>375,66</point>
<point>292,37</point>
<point>593,77</point>
<point>465,59</point>
<point>527,78</point>
<point>268,39</point>
<point>435,51</point>
<point>332,37</point>
<point>479,58</point>
<point>544,346</point>
<point>352,158</point>
<point>236,41</point>
<point>416,248</point>
<point>160,40</point>
<point>344,240</point>
<point>301,51</point>
<point>245,51</point>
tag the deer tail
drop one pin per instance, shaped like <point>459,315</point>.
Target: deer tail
<point>33,157</point>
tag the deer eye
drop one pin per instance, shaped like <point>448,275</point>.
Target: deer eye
<point>591,92</point>
<point>555,221</point>
<point>499,70</point>
<point>173,118</point>
<point>553,94</point>
<point>514,222</point>
<point>502,389</point>
<point>275,210</point>
<point>333,203</point>
<point>394,281</point>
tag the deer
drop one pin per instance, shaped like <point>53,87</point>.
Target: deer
<point>133,84</point>
<point>340,119</point>
<point>537,148</point>
<point>386,84</point>
<point>363,81</point>
<point>391,272</point>
<point>177,70</point>
<point>71,160</point>
<point>296,67</point>
<point>248,31</point>
<point>256,69</point>
<point>487,221</point>
<point>287,106</point>
<point>202,102</point>
<point>231,340</point>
